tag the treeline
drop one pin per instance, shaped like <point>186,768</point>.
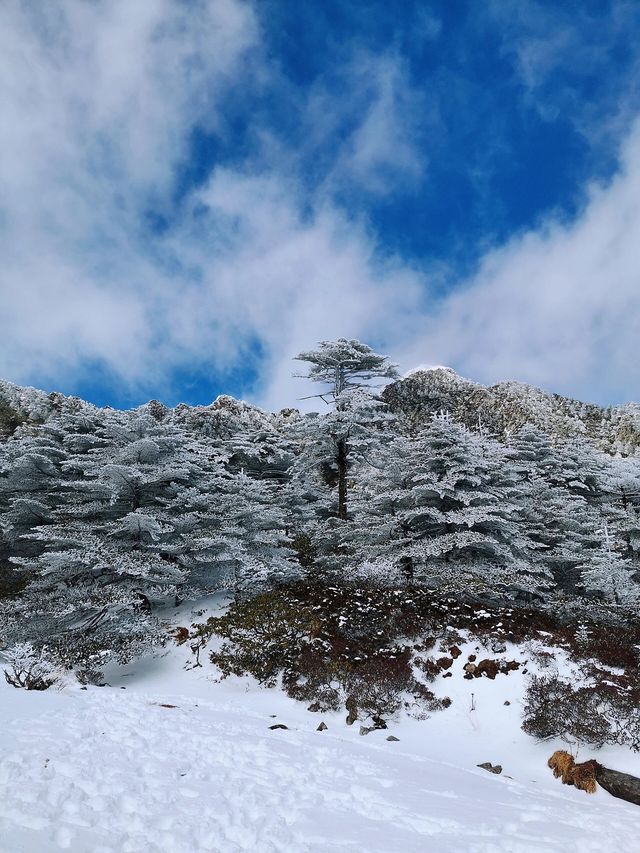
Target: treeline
<point>108,515</point>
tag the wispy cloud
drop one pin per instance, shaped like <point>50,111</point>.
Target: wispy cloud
<point>557,306</point>
<point>275,249</point>
<point>100,103</point>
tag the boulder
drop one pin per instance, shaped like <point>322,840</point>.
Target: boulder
<point>491,768</point>
<point>487,667</point>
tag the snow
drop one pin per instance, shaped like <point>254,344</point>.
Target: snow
<point>112,770</point>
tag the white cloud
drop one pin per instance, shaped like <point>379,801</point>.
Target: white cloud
<point>96,104</point>
<point>97,101</point>
<point>558,306</point>
<point>382,148</point>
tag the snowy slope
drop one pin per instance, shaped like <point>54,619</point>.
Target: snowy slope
<point>111,770</point>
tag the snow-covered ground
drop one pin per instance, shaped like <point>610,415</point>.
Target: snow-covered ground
<point>112,770</point>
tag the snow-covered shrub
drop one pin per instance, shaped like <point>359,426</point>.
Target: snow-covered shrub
<point>328,645</point>
<point>29,669</point>
<point>90,676</point>
<point>555,708</point>
<point>378,685</point>
<point>264,636</point>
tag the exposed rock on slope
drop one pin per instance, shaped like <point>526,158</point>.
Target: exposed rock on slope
<point>507,406</point>
<point>500,409</point>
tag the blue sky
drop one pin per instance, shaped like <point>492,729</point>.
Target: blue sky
<point>194,192</point>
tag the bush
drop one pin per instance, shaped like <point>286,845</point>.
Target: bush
<point>264,637</point>
<point>377,685</point>
<point>29,669</point>
<point>330,645</point>
<point>595,715</point>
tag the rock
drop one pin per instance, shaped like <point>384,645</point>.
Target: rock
<point>487,667</point>
<point>510,666</point>
<point>487,765</point>
<point>444,662</point>
<point>455,652</point>
<point>364,730</point>
<point>498,647</point>
<point>506,702</point>
<point>322,727</point>
<point>278,726</point>
<point>469,668</point>
<point>447,675</point>
<point>471,658</point>
<point>379,723</point>
<point>393,738</point>
<point>314,707</point>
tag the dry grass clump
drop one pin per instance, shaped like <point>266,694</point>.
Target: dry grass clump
<point>582,776</point>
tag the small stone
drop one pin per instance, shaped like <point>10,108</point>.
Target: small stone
<point>455,652</point>
<point>322,727</point>
<point>314,707</point>
<point>393,738</point>
<point>364,730</point>
<point>278,726</point>
<point>379,723</point>
<point>447,675</point>
<point>487,765</point>
<point>506,702</point>
<point>444,662</point>
<point>471,658</point>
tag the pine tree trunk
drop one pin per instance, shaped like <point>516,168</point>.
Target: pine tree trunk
<point>620,785</point>
<point>341,460</point>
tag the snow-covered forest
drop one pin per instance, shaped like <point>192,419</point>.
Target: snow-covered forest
<point>345,550</point>
<point>107,515</point>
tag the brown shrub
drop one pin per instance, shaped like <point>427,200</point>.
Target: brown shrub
<point>583,775</point>
<point>181,635</point>
<point>562,763</point>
